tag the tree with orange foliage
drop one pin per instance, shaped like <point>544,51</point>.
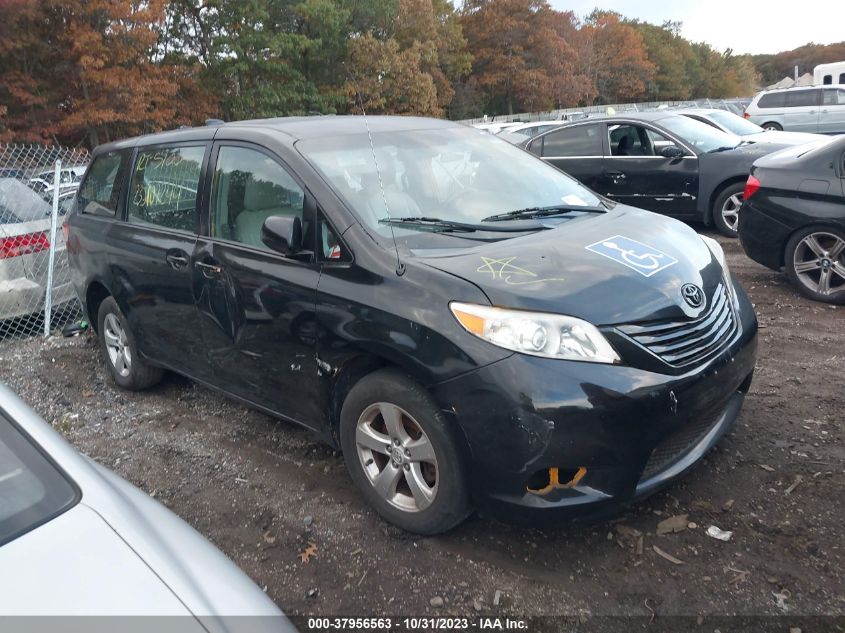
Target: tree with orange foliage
<point>86,69</point>
<point>521,57</point>
<point>614,57</point>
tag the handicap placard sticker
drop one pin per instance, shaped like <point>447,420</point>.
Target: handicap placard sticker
<point>646,260</point>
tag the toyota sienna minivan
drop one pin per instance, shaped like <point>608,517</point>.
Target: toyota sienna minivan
<point>473,328</point>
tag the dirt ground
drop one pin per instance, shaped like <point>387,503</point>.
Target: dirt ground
<point>262,490</point>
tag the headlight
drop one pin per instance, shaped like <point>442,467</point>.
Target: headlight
<point>536,333</point>
<point>719,254</point>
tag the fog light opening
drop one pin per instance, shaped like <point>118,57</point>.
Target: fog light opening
<point>544,481</point>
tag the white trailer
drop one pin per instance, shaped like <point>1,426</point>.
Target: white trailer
<point>825,74</point>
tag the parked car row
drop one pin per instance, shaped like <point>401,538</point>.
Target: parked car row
<point>474,328</point>
<point>661,161</point>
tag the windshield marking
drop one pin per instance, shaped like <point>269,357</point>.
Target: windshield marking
<point>504,270</point>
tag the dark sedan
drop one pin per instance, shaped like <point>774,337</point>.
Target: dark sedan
<point>658,161</point>
<point>793,217</point>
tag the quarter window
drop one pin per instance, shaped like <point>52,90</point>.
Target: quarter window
<point>163,190</point>
<point>772,100</point>
<point>99,193</point>
<point>250,187</point>
<point>581,140</point>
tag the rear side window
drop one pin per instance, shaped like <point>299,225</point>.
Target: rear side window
<point>99,193</point>
<point>842,78</point>
<point>581,140</point>
<point>802,98</point>
<point>164,186</point>
<point>32,489</point>
<point>772,100</point>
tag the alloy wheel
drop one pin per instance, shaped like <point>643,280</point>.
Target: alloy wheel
<point>117,345</point>
<point>397,456</point>
<point>819,263</point>
<point>730,211</point>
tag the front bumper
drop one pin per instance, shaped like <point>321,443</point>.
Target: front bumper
<point>615,433</point>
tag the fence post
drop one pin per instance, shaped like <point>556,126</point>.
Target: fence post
<point>54,217</point>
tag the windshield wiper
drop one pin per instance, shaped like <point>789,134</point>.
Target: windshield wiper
<point>541,212</point>
<point>450,225</point>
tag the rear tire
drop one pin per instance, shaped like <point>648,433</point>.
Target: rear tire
<point>814,261</point>
<point>772,126</point>
<point>401,454</point>
<point>726,209</point>
<point>120,350</point>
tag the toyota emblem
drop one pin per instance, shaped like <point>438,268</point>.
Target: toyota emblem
<point>693,295</point>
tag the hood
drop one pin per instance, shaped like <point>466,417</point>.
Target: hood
<point>77,565</point>
<point>783,138</point>
<point>623,266</point>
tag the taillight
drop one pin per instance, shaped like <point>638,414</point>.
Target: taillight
<point>65,229</point>
<point>745,115</point>
<point>751,187</point>
<point>23,245</point>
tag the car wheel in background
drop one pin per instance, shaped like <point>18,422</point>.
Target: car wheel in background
<point>120,350</point>
<point>401,455</point>
<point>726,209</point>
<point>814,260</point>
<point>772,126</point>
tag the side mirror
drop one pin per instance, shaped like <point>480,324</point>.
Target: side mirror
<point>283,234</point>
<point>671,151</point>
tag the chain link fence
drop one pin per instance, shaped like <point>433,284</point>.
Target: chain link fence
<point>37,188</point>
<point>737,106</point>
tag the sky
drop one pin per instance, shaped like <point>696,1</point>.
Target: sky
<point>741,25</point>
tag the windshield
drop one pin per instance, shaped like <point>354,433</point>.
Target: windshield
<point>457,174</point>
<point>704,138</point>
<point>32,489</point>
<point>735,124</point>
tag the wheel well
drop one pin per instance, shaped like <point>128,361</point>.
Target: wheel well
<point>718,191</point>
<point>94,296</point>
<point>348,377</point>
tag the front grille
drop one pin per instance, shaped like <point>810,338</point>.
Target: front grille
<point>681,343</point>
<point>676,445</point>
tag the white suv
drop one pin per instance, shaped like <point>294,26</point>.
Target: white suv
<point>811,109</point>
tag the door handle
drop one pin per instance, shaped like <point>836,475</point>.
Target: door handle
<point>209,270</point>
<point>176,259</point>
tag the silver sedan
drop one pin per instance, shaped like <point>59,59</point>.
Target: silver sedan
<point>76,539</point>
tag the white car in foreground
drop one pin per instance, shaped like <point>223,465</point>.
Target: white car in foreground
<point>76,539</point>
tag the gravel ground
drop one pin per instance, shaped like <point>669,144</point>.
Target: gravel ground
<point>262,490</point>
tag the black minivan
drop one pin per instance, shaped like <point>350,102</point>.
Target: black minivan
<point>470,326</point>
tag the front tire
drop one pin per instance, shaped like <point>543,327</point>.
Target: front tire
<point>401,454</point>
<point>726,209</point>
<point>814,260</point>
<point>121,351</point>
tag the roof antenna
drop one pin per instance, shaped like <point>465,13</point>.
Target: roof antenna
<point>400,267</point>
